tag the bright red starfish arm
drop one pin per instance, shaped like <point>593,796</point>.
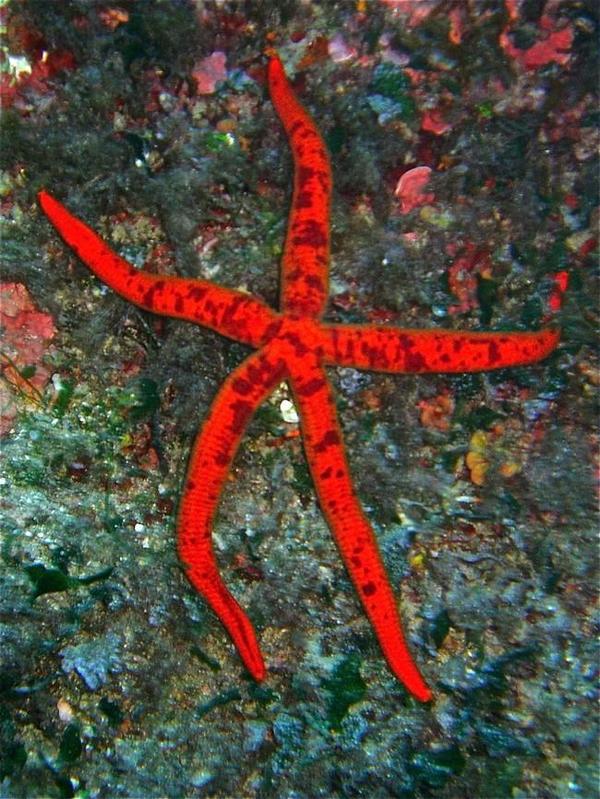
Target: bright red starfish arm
<point>227,311</point>
<point>305,261</point>
<point>352,532</point>
<point>397,350</point>
<point>210,462</point>
<point>294,346</point>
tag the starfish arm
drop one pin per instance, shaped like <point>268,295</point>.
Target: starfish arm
<point>351,530</point>
<point>305,262</point>
<point>224,310</point>
<point>210,462</point>
<point>389,349</point>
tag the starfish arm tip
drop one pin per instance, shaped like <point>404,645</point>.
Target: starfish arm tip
<point>44,199</point>
<point>259,672</point>
<point>414,684</point>
<point>424,694</point>
<point>252,659</point>
<point>411,679</point>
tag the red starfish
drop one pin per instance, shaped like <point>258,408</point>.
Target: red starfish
<point>293,345</point>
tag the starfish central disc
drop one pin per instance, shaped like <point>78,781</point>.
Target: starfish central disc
<point>297,336</point>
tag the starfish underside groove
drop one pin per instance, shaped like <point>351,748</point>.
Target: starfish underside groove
<point>293,345</point>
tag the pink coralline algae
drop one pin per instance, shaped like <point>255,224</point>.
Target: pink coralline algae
<point>409,189</point>
<point>433,122</point>
<point>554,44</point>
<point>209,71</point>
<point>27,333</point>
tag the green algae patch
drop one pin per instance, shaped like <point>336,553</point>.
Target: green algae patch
<point>389,95</point>
<point>480,418</point>
<point>64,393</point>
<point>346,687</point>
<point>70,745</point>
<point>145,399</point>
<point>50,580</point>
<point>112,711</point>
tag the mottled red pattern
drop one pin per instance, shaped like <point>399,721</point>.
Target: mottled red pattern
<point>294,345</point>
